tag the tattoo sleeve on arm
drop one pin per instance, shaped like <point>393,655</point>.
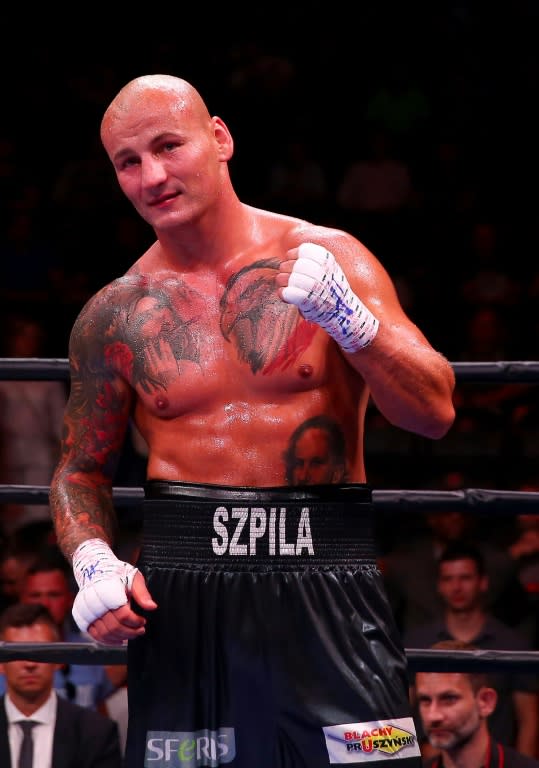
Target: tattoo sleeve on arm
<point>95,424</point>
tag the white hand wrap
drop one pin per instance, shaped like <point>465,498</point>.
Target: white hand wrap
<point>320,290</point>
<point>103,581</point>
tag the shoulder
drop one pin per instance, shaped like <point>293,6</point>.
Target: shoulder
<point>110,301</point>
<point>506,636</point>
<point>293,231</point>
<point>85,716</point>
<point>514,759</point>
<point>353,256</point>
<point>425,635</point>
<point>132,283</point>
<point>334,239</point>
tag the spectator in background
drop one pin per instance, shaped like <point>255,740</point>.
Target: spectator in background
<point>26,253</point>
<point>411,567</point>
<point>17,554</point>
<point>487,280</point>
<point>15,562</point>
<point>31,414</point>
<point>487,335</point>
<point>64,733</point>
<point>523,547</point>
<point>48,582</point>
<point>462,583</point>
<point>488,412</point>
<point>399,102</point>
<point>376,194</point>
<point>297,183</point>
<point>454,709</point>
<point>449,190</point>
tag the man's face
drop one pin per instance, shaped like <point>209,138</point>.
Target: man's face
<point>450,710</point>
<point>167,158</point>
<point>448,526</point>
<point>460,584</point>
<point>29,681</point>
<point>12,573</point>
<point>51,589</point>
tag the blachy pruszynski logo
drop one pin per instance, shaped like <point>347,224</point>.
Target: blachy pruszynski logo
<point>371,741</point>
<point>190,749</point>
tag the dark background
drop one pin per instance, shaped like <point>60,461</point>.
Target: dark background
<point>275,73</point>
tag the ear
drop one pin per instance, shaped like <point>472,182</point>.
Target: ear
<point>486,701</point>
<point>224,138</point>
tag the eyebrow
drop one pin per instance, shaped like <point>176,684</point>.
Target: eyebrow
<point>438,694</point>
<point>166,135</point>
<point>122,153</point>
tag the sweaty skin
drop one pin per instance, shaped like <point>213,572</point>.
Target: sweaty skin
<point>197,345</point>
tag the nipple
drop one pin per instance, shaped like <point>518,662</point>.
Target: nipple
<point>305,371</point>
<point>161,402</point>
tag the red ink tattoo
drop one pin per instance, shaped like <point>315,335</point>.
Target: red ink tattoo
<point>293,347</point>
<point>119,356</point>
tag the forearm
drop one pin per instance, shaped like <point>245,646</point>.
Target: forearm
<point>81,508</point>
<point>410,383</point>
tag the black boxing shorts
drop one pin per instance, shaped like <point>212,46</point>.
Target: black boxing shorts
<point>273,644</point>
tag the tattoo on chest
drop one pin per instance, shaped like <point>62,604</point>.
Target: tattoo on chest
<point>264,330</point>
<point>151,328</point>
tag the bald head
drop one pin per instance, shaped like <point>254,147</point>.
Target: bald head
<point>165,145</point>
<point>175,95</point>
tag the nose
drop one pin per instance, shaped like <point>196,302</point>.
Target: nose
<point>430,713</point>
<point>153,171</point>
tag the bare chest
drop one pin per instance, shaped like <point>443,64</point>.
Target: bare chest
<point>182,348</point>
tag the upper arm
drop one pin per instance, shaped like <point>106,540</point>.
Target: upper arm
<point>100,400</point>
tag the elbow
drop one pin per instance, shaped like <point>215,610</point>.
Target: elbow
<point>441,422</point>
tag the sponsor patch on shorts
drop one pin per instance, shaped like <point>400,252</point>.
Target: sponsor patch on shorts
<point>190,749</point>
<point>375,740</point>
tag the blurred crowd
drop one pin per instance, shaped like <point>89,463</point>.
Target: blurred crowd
<point>428,155</point>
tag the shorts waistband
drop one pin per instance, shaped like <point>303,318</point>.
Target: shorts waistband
<point>158,489</point>
<point>188,525</point>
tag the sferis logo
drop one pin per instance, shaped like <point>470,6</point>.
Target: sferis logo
<point>189,749</point>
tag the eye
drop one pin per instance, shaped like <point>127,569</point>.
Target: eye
<point>170,146</point>
<point>450,699</point>
<point>128,162</point>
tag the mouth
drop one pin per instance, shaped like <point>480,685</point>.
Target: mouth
<point>163,200</point>
<point>439,733</point>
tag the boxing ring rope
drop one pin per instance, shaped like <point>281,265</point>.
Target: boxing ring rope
<point>383,500</point>
<point>424,659</point>
<point>392,501</point>
<point>501,371</point>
